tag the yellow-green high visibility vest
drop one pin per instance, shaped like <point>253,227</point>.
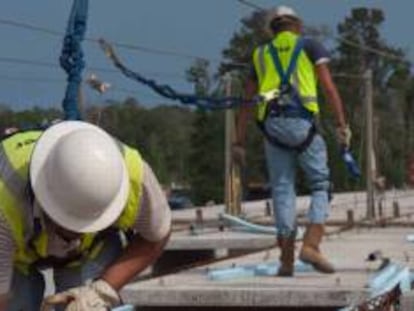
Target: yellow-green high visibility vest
<point>16,204</point>
<point>303,78</point>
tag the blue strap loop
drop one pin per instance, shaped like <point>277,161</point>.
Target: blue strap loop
<point>71,58</point>
<point>204,102</point>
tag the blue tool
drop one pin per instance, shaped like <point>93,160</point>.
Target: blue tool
<point>350,163</point>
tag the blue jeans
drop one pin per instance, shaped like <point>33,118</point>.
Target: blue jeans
<point>28,290</point>
<point>282,165</point>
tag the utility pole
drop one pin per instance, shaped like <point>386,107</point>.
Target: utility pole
<point>232,169</point>
<point>370,155</point>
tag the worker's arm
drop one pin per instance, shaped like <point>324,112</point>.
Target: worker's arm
<point>331,93</point>
<point>152,229</point>
<point>103,293</point>
<point>139,255</point>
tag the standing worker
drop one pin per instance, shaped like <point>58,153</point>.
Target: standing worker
<point>285,76</point>
<point>75,200</point>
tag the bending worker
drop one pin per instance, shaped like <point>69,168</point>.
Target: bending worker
<point>285,76</point>
<point>76,200</point>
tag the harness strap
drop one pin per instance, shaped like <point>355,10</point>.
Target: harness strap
<point>298,148</point>
<point>285,76</point>
<point>279,111</point>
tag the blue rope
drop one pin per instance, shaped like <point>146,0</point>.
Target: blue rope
<point>71,58</point>
<point>205,102</point>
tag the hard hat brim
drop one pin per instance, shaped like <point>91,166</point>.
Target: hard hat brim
<point>42,190</point>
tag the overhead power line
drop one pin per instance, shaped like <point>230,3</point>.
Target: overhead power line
<point>126,46</point>
<point>29,27</point>
<point>26,79</point>
<point>21,61</point>
<point>338,38</point>
<point>251,5</point>
<point>150,50</point>
<point>30,79</point>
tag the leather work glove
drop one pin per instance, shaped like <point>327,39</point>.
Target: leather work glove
<point>344,135</point>
<point>97,296</point>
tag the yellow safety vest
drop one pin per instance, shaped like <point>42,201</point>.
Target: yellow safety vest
<point>16,204</point>
<point>303,78</point>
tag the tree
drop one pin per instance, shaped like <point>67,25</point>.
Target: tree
<point>206,159</point>
<point>359,30</point>
<point>161,134</point>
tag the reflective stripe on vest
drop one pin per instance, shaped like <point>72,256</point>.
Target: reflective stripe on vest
<point>16,208</point>
<point>303,78</point>
<point>134,165</point>
<point>15,204</point>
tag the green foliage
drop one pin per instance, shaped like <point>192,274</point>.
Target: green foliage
<point>26,119</point>
<point>161,134</point>
<point>206,159</point>
<point>391,81</point>
<point>206,155</point>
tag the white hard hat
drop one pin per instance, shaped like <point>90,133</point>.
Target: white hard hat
<point>279,12</point>
<point>285,11</point>
<point>79,177</point>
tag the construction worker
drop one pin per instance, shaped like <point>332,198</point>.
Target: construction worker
<point>78,201</point>
<point>285,76</point>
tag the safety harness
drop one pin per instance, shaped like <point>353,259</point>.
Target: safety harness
<point>288,103</point>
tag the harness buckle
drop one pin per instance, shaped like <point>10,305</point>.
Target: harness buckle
<point>270,95</point>
<point>286,97</point>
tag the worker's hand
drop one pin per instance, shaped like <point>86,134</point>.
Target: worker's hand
<point>238,152</point>
<point>97,296</point>
<point>344,135</point>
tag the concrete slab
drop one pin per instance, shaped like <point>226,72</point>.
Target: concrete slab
<point>407,302</point>
<point>342,203</point>
<point>208,236</point>
<point>348,251</point>
<point>220,240</point>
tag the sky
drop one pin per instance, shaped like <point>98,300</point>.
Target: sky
<point>193,27</point>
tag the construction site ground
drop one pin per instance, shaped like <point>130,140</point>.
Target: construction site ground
<point>349,241</point>
<point>184,283</point>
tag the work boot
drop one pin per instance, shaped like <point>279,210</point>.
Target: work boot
<point>310,252</point>
<point>287,256</point>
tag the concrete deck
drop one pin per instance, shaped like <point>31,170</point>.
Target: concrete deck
<point>347,251</point>
<point>214,239</point>
<point>340,205</point>
<point>209,236</point>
